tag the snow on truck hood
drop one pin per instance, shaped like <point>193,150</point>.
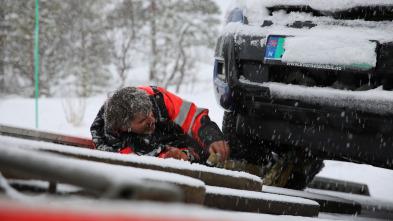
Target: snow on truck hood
<point>381,31</point>
<point>323,5</point>
<point>328,41</point>
<point>257,13</point>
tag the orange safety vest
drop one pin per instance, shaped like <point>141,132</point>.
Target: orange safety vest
<point>184,113</point>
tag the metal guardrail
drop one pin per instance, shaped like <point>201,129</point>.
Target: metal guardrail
<point>54,168</point>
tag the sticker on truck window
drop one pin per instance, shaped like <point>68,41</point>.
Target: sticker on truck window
<point>275,48</point>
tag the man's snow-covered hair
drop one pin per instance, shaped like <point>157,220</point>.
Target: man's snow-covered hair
<point>124,105</point>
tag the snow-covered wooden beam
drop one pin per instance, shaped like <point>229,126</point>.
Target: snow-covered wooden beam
<point>45,136</point>
<point>344,186</point>
<point>109,181</point>
<point>328,204</point>
<point>257,202</point>
<point>209,175</point>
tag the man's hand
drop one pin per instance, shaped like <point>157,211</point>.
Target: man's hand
<point>172,152</point>
<point>220,147</point>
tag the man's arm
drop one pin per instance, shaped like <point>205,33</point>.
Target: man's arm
<point>220,147</point>
<point>175,153</point>
<point>211,135</point>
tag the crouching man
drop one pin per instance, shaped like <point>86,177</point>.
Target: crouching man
<point>154,122</point>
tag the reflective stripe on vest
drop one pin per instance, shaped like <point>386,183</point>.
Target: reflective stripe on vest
<point>198,111</point>
<point>183,113</point>
<point>187,110</point>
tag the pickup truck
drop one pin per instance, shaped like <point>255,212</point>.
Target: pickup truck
<point>306,81</point>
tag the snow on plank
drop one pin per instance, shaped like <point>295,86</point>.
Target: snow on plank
<point>45,136</point>
<point>257,202</point>
<point>209,175</point>
<point>371,207</point>
<point>327,203</point>
<point>323,183</point>
<point>106,180</point>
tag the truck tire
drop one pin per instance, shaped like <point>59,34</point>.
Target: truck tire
<point>304,173</point>
<point>243,148</point>
<point>248,150</point>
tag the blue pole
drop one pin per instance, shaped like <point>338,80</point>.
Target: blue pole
<point>36,60</point>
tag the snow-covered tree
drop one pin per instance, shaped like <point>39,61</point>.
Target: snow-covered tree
<point>191,34</point>
<point>18,50</point>
<point>3,30</point>
<point>79,39</point>
<point>125,23</point>
<point>178,28</point>
<point>85,47</point>
<point>72,51</point>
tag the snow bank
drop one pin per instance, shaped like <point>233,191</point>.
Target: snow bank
<point>20,112</point>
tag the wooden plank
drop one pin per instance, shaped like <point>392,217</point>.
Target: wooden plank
<point>373,208</point>
<point>257,202</point>
<point>99,178</point>
<point>216,177</point>
<point>45,136</point>
<point>323,183</point>
<point>209,178</point>
<point>327,203</point>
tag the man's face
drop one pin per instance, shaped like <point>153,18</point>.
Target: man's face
<point>143,123</point>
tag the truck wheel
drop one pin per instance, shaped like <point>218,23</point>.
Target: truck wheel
<point>303,173</point>
<point>243,148</point>
<point>296,173</point>
<point>229,131</point>
<point>237,144</point>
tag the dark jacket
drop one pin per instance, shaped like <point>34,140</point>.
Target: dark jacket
<point>179,123</point>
